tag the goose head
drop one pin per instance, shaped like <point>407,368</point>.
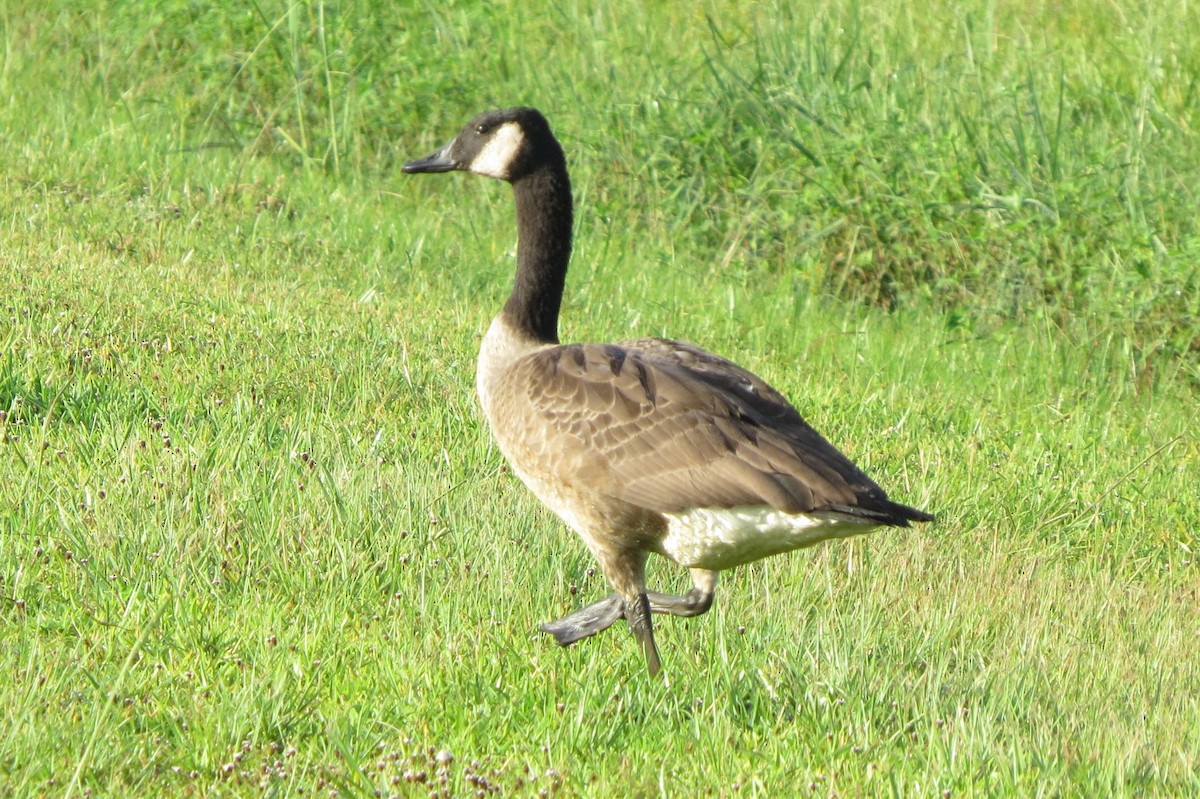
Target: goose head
<point>506,145</point>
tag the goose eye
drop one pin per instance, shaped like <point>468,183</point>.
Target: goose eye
<point>481,129</point>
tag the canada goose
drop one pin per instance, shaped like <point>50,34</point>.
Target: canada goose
<point>641,446</point>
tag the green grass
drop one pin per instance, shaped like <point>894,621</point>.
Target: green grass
<point>255,541</point>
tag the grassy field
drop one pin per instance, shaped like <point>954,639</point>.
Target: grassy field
<point>255,541</point>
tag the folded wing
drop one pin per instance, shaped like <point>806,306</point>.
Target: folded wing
<point>669,427</point>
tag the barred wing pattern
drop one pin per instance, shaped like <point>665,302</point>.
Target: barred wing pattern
<point>668,427</point>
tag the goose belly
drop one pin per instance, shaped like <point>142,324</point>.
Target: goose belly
<point>721,538</point>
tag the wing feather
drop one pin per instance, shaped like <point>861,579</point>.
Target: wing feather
<point>669,427</point>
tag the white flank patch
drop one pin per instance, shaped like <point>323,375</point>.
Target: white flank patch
<point>718,538</point>
<point>497,156</point>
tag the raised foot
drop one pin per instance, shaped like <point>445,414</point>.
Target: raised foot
<point>602,614</point>
<point>694,603</point>
<point>586,621</point>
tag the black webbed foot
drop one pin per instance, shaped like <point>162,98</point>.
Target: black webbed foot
<point>586,621</point>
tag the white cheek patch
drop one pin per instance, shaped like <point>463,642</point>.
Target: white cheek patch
<point>496,158</point>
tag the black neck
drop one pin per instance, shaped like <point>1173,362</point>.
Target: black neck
<point>544,218</point>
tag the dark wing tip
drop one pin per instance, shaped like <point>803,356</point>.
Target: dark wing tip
<point>920,515</point>
<point>886,512</point>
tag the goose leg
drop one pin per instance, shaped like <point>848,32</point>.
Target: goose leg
<point>637,613</point>
<point>625,568</point>
<point>601,615</point>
